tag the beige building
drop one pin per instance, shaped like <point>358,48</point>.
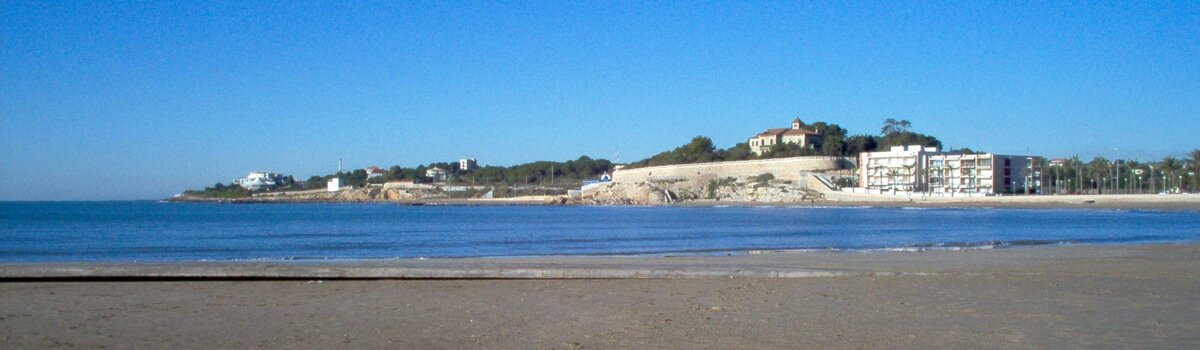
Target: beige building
<point>984,173</point>
<point>797,134</point>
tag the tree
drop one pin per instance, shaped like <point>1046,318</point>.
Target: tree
<point>1194,156</point>
<point>699,150</point>
<point>740,151</point>
<point>1170,168</point>
<point>314,182</point>
<point>861,143</point>
<point>892,126</point>
<point>1099,168</point>
<point>896,133</point>
<point>1077,164</point>
<point>833,139</point>
<point>784,150</point>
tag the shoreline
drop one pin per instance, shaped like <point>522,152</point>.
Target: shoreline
<point>1189,202</point>
<point>759,263</point>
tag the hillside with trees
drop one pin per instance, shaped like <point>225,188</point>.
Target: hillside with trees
<point>835,141</point>
<point>537,174</point>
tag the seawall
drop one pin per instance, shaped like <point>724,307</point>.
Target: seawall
<point>781,168</point>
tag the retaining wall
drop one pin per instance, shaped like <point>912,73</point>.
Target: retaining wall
<point>783,168</point>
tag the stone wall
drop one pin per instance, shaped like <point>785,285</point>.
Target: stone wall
<point>782,168</point>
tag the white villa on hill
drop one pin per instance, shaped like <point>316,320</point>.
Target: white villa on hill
<point>797,134</point>
<point>260,180</point>
<point>437,174</point>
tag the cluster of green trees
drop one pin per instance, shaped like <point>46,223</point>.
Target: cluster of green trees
<point>1103,176</point>
<point>834,141</point>
<point>220,190</point>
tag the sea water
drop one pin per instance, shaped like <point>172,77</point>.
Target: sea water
<point>157,231</point>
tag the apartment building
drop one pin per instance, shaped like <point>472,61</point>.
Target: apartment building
<point>900,168</point>
<point>916,168</point>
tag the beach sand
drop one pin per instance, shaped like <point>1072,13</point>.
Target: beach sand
<point>1035,297</point>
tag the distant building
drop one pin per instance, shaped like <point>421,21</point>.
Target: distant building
<point>467,164</point>
<point>1059,162</point>
<point>258,180</point>
<point>985,173</point>
<point>917,168</point>
<point>895,169</point>
<point>374,171</point>
<point>335,184</point>
<point>437,174</point>
<point>797,134</point>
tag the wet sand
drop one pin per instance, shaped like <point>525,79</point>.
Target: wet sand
<point>1036,297</point>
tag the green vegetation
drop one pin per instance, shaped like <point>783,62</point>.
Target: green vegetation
<point>1101,175</point>
<point>835,141</point>
<point>762,179</point>
<point>220,191</point>
<point>711,190</point>
<point>536,178</point>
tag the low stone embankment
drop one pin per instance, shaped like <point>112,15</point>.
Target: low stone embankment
<point>783,168</point>
<point>760,188</point>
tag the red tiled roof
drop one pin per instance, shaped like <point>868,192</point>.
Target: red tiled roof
<point>772,132</point>
<point>793,132</point>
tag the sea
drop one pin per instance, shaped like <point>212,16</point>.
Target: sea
<point>152,231</point>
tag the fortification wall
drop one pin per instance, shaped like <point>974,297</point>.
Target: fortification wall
<point>782,168</point>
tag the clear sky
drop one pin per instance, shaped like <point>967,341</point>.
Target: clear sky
<point>137,100</point>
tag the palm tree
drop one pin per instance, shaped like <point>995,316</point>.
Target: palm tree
<point>1170,167</point>
<point>1133,166</point>
<point>1078,165</point>
<point>1098,166</point>
<point>1195,158</point>
<point>1042,164</point>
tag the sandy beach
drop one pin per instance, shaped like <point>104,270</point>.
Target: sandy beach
<point>1034,297</point>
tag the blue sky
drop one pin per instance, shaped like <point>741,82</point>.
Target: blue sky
<point>140,100</point>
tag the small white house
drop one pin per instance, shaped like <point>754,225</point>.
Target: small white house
<point>335,184</point>
<point>260,180</point>
<point>437,174</point>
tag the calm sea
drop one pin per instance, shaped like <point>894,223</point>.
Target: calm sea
<point>153,231</point>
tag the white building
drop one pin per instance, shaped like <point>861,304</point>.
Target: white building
<point>467,164</point>
<point>437,174</point>
<point>916,168</point>
<point>374,171</point>
<point>984,173</point>
<point>260,180</point>
<point>894,170</point>
<point>335,184</point>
